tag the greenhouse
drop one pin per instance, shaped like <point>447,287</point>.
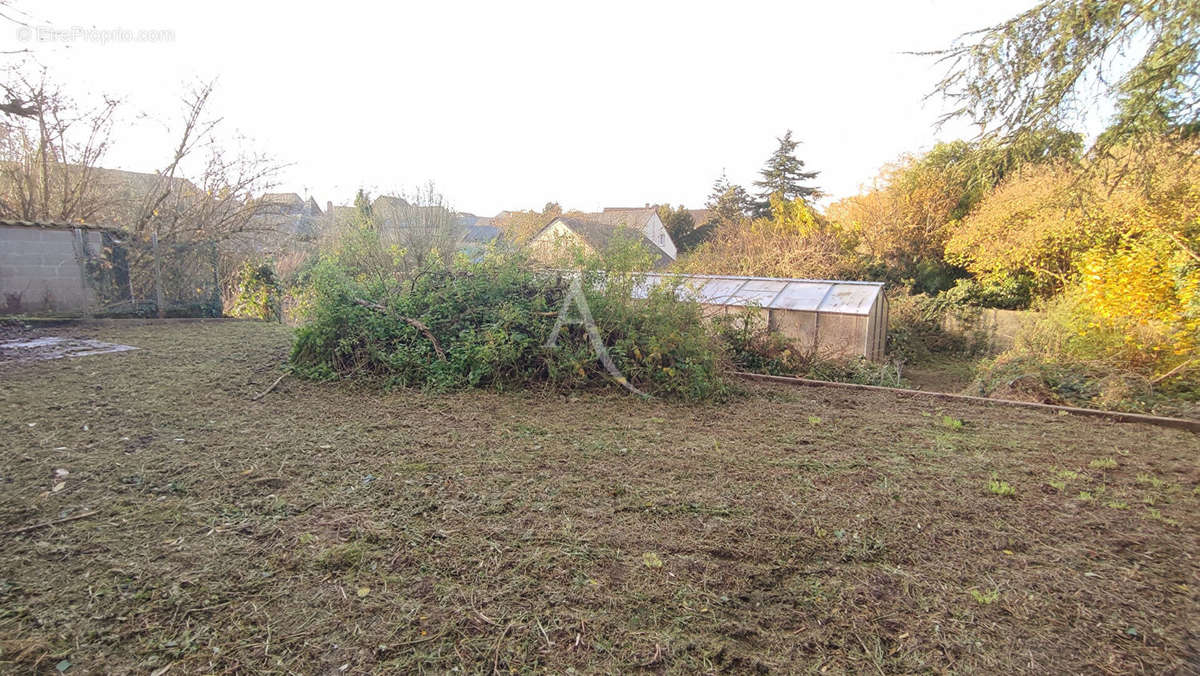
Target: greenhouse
<point>830,318</point>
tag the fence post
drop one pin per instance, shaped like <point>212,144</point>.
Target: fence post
<point>218,308</point>
<point>81,255</point>
<point>158,290</point>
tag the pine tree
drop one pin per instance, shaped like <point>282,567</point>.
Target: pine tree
<point>362,209</point>
<point>728,203</point>
<point>782,176</point>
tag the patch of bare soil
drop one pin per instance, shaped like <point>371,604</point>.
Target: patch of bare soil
<point>951,375</point>
<point>153,516</point>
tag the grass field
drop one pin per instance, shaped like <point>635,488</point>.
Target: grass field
<point>328,529</point>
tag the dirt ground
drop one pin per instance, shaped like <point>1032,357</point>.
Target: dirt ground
<point>327,528</point>
<point>947,374</point>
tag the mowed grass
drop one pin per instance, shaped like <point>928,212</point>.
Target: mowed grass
<point>328,528</point>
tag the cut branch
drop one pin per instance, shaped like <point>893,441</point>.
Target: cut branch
<point>270,389</point>
<point>1172,372</point>
<point>416,324</point>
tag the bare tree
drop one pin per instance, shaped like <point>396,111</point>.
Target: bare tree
<point>49,159</point>
<point>14,103</point>
<point>213,208</point>
<point>214,204</point>
<point>422,225</point>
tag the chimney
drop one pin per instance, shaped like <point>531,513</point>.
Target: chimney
<point>329,208</point>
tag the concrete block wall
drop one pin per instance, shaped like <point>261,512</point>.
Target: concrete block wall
<point>998,327</point>
<point>39,270</point>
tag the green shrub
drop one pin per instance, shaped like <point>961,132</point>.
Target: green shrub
<point>256,292</point>
<point>1013,292</point>
<point>490,320</point>
<point>752,347</point>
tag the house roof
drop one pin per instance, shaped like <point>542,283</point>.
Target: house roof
<point>700,216</point>
<point>389,202</point>
<point>125,193</point>
<point>288,199</point>
<point>118,196</point>
<point>343,212</point>
<point>481,234</point>
<point>599,235</point>
<point>631,216</point>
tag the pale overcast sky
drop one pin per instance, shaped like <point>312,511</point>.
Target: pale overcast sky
<point>508,105</point>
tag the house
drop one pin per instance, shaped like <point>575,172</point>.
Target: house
<point>122,197</point>
<point>480,234</point>
<point>645,219</point>
<point>592,237</point>
<point>389,210</point>
<point>476,238</point>
<point>288,213</point>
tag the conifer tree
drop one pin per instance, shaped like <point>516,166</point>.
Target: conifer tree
<point>728,203</point>
<point>784,176</point>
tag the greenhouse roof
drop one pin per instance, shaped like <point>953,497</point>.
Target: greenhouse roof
<point>806,295</point>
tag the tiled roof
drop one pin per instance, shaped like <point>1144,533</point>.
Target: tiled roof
<point>285,199</point>
<point>634,217</point>
<point>481,234</point>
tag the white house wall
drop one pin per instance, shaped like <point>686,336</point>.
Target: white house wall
<point>657,233</point>
<point>554,240</point>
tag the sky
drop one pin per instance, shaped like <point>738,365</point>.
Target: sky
<point>509,105</point>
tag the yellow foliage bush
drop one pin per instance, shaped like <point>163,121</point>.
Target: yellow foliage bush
<point>1115,242</point>
<point>1150,292</point>
<point>794,242</point>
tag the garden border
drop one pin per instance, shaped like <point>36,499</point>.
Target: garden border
<point>1118,416</point>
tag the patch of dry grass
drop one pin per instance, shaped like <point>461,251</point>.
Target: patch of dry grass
<point>324,526</point>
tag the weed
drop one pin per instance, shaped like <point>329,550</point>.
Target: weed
<point>1069,475</point>
<point>1086,496</point>
<point>1151,480</point>
<point>985,598</point>
<point>1117,504</point>
<point>952,423</point>
<point>814,420</point>
<point>1157,515</point>
<point>1000,488</point>
<point>652,560</point>
<point>343,556</point>
<point>1103,463</point>
<point>1059,486</point>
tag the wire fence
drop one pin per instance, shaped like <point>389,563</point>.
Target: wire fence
<point>135,278</point>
